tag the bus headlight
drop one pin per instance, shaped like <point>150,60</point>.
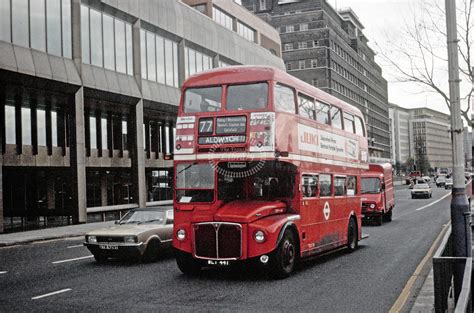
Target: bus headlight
<point>259,236</point>
<point>372,206</point>
<point>92,239</point>
<point>181,234</point>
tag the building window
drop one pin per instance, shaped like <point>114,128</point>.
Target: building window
<point>5,30</point>
<point>38,25</point>
<point>302,45</point>
<point>222,18</point>
<point>124,135</point>
<point>103,130</point>
<point>106,41</point>
<point>41,126</point>
<point>20,22</point>
<point>10,125</point>
<point>54,128</point>
<point>26,126</point>
<point>290,28</point>
<point>196,62</point>
<point>301,64</point>
<point>160,59</point>
<point>262,5</point>
<point>303,26</point>
<point>245,31</point>
<point>53,23</point>
<point>288,66</point>
<point>288,47</point>
<point>315,43</point>
<point>93,132</point>
<point>314,63</point>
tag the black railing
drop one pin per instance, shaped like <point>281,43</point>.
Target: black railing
<point>443,270</point>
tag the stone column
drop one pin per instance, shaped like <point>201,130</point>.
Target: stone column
<point>137,155</point>
<point>78,157</point>
<point>103,188</point>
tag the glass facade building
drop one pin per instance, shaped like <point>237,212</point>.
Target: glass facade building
<point>88,108</point>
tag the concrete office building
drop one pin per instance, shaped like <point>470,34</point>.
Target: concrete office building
<point>430,135</point>
<point>328,49</point>
<point>88,99</point>
<point>400,132</point>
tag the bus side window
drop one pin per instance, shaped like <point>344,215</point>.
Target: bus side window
<point>351,185</point>
<point>306,107</point>
<point>336,119</point>
<point>310,186</point>
<point>339,186</point>
<point>322,113</point>
<point>325,185</point>
<point>349,122</point>
<point>359,126</point>
<point>284,99</point>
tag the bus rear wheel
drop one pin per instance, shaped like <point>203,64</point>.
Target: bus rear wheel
<point>282,262</point>
<point>352,236</point>
<point>187,264</point>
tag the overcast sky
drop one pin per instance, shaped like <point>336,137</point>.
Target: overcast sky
<point>384,21</point>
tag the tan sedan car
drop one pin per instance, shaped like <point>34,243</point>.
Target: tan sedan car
<point>140,234</point>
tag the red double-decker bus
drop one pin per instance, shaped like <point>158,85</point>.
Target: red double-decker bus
<point>267,168</point>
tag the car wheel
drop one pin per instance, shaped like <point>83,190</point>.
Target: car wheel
<point>100,257</point>
<point>352,236</point>
<point>412,196</point>
<point>283,259</point>
<point>387,217</point>
<point>187,264</point>
<point>152,251</point>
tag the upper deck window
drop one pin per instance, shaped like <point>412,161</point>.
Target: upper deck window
<point>349,123</point>
<point>336,119</point>
<point>306,107</point>
<point>322,113</point>
<point>202,100</point>
<point>247,97</point>
<point>284,99</point>
<point>359,126</point>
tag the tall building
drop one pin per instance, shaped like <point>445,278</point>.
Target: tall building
<point>88,98</point>
<point>400,119</point>
<point>421,131</point>
<point>328,49</point>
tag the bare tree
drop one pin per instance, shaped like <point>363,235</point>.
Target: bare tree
<point>420,55</point>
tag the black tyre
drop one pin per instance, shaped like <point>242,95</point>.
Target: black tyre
<point>283,259</point>
<point>352,236</point>
<point>412,196</point>
<point>187,264</point>
<point>387,217</point>
<point>152,251</point>
<point>378,220</point>
<point>100,257</point>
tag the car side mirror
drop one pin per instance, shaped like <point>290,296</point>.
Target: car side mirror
<point>383,186</point>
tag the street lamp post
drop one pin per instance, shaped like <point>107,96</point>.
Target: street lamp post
<point>460,211</point>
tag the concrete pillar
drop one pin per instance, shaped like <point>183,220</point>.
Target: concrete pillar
<point>1,192</point>
<point>181,62</point>
<point>78,157</point>
<point>50,191</point>
<point>137,155</point>
<point>103,188</point>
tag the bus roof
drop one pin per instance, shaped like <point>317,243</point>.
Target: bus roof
<point>247,74</point>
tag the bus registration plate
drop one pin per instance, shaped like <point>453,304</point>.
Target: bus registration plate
<point>218,262</point>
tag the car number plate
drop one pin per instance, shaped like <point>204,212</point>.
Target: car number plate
<point>108,247</point>
<point>218,262</point>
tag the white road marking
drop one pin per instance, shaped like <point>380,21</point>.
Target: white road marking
<point>75,246</point>
<point>75,259</point>
<point>51,294</point>
<point>3,272</point>
<point>434,202</point>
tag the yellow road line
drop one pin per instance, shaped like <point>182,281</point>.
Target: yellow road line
<point>403,297</point>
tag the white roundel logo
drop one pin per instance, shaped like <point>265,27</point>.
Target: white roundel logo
<point>326,210</point>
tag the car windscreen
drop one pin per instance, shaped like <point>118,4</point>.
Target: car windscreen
<point>144,216</point>
<point>206,99</point>
<point>421,186</point>
<point>247,97</point>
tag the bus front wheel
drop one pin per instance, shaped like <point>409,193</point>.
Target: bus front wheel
<point>283,260</point>
<point>352,238</point>
<point>187,264</point>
